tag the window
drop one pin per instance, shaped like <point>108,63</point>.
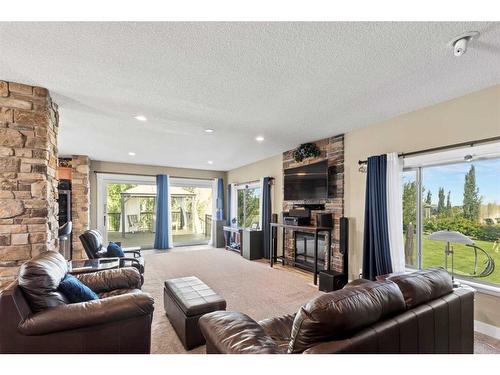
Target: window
<point>248,205</point>
<point>460,196</point>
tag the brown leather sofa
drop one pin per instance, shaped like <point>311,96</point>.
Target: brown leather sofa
<point>418,312</point>
<point>37,318</point>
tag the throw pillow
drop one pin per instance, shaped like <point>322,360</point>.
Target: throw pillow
<point>76,291</point>
<point>115,250</point>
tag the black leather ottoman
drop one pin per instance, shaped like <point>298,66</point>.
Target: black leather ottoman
<point>186,299</point>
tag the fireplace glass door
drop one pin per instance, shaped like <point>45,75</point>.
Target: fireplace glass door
<point>304,250</point>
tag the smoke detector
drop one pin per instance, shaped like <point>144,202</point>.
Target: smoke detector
<point>460,43</point>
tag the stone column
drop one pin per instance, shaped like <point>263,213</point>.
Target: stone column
<point>80,198</point>
<point>28,184</point>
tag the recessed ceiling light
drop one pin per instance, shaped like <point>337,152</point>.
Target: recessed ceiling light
<point>259,138</point>
<point>131,153</point>
<point>209,131</point>
<point>141,118</point>
<point>210,162</point>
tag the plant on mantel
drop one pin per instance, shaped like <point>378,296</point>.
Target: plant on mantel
<point>306,150</point>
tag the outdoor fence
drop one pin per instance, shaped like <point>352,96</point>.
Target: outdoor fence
<point>146,222</point>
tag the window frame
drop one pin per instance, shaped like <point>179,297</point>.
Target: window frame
<point>483,287</point>
<point>234,199</point>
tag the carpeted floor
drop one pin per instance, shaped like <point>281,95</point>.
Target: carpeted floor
<point>249,287</point>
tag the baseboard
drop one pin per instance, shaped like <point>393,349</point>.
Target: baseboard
<point>487,329</point>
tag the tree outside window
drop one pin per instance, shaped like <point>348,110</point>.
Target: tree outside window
<point>248,207</point>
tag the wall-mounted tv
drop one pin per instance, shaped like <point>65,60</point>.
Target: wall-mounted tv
<point>307,182</point>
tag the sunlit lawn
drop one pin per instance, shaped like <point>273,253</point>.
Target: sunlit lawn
<point>433,256</point>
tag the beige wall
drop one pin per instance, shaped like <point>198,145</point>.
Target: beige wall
<point>270,167</point>
<point>110,167</point>
<point>471,117</point>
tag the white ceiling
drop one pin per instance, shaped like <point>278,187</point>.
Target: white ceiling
<point>290,82</point>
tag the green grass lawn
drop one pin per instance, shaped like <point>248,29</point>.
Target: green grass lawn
<point>433,256</point>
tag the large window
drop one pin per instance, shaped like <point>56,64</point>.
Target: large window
<point>248,205</point>
<point>459,196</point>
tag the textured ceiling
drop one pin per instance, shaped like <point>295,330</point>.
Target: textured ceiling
<point>290,82</point>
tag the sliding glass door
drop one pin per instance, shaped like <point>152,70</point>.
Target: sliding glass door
<point>191,211</point>
<point>126,209</point>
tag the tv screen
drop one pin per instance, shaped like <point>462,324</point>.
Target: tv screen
<point>306,182</point>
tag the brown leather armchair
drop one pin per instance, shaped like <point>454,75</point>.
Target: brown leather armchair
<point>37,318</point>
<point>414,313</point>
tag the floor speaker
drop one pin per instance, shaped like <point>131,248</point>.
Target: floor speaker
<point>344,243</point>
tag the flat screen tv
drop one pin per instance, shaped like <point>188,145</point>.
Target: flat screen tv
<point>307,182</point>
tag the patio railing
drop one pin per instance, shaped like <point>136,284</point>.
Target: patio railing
<point>207,225</point>
<point>114,221</point>
<point>145,221</point>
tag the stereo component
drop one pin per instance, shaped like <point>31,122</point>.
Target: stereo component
<point>324,220</point>
<point>293,220</point>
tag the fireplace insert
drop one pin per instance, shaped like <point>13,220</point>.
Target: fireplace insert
<point>304,250</point>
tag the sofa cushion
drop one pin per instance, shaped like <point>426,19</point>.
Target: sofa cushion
<point>76,291</point>
<point>39,279</point>
<point>235,333</point>
<point>341,313</point>
<point>423,286</point>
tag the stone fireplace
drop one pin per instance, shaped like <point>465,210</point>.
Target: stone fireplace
<point>28,183</point>
<point>332,149</point>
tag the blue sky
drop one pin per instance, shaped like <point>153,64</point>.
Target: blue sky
<point>452,177</point>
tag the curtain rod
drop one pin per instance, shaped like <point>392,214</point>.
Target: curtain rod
<point>154,175</point>
<point>249,182</point>
<point>456,145</point>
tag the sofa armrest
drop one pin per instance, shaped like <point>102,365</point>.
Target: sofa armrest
<point>228,332</point>
<point>86,314</point>
<point>108,280</point>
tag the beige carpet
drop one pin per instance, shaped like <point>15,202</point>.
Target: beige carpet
<point>250,287</point>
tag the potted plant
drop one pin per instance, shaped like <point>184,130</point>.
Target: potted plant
<point>306,150</point>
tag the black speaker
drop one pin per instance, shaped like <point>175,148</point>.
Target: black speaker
<point>344,243</point>
<point>344,235</point>
<point>331,280</point>
<point>324,220</point>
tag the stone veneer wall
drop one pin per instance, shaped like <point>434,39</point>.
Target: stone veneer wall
<point>80,201</point>
<point>28,184</point>
<point>332,149</point>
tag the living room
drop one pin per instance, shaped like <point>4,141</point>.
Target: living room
<point>250,188</point>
